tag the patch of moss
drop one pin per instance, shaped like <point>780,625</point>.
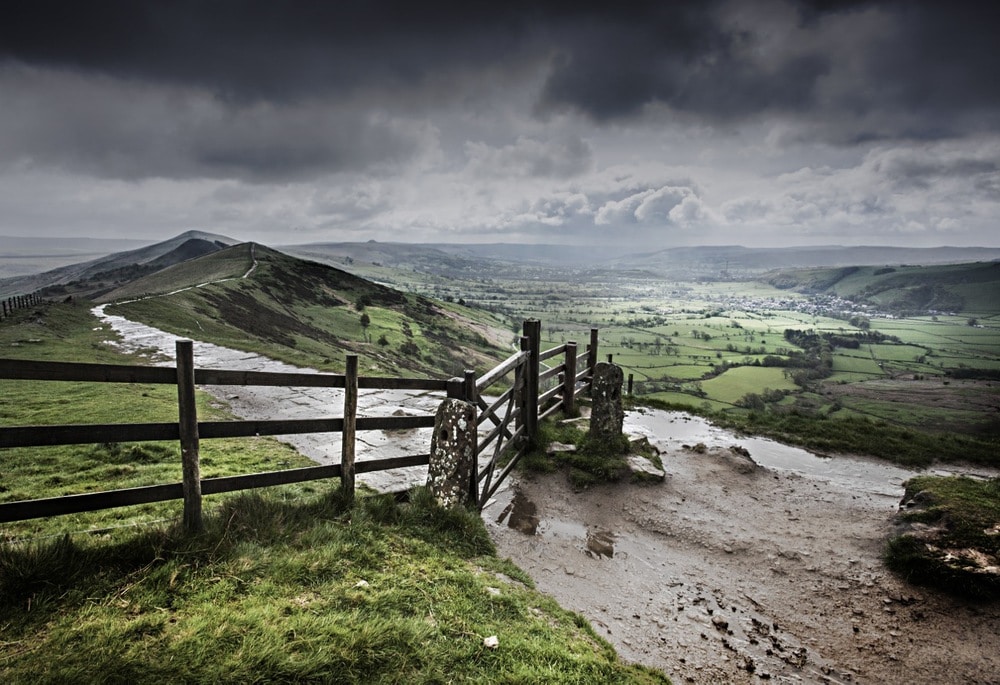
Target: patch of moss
<point>952,535</point>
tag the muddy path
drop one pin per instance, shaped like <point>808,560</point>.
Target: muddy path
<point>732,572</point>
<point>264,402</point>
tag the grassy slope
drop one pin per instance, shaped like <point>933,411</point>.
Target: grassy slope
<point>961,535</point>
<point>310,314</point>
<point>310,591</point>
<point>271,592</point>
<point>68,332</point>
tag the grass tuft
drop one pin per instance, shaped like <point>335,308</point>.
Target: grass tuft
<point>951,536</point>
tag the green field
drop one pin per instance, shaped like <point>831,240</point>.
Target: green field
<point>707,345</point>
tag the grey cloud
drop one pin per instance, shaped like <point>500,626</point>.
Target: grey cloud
<point>563,157</point>
<point>129,130</point>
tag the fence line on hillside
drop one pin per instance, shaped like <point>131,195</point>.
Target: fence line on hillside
<point>14,302</point>
<point>525,406</point>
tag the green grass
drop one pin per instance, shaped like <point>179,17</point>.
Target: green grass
<point>592,463</point>
<point>737,382</point>
<point>69,332</point>
<point>862,435</point>
<point>966,513</point>
<point>311,591</point>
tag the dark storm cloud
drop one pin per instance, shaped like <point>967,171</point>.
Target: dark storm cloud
<point>935,62</point>
<point>258,49</point>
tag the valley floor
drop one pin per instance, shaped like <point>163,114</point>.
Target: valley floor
<point>738,573</point>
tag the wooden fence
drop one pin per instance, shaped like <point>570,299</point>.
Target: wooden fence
<point>8,306</point>
<point>522,405</point>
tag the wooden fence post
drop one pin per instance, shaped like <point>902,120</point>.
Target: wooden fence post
<point>533,331</point>
<point>188,429</point>
<point>591,360</point>
<point>472,396</point>
<point>520,381</point>
<point>469,386</point>
<point>350,425</point>
<point>569,380</point>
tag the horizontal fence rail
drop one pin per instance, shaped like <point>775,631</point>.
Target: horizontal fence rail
<point>510,421</point>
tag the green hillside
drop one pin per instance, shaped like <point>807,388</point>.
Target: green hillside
<point>958,288</point>
<point>311,314</point>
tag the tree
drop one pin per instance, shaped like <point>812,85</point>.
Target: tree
<point>366,321</point>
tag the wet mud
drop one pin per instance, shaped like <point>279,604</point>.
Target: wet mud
<point>730,574</point>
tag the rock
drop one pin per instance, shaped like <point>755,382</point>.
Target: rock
<point>453,447</point>
<point>643,469</point>
<point>607,415</point>
<point>641,443</point>
<point>559,448</point>
<point>720,623</point>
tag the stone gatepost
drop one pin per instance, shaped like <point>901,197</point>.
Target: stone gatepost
<point>452,468</point>
<point>607,415</point>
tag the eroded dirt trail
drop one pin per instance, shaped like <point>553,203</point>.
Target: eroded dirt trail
<point>730,572</point>
<point>263,402</point>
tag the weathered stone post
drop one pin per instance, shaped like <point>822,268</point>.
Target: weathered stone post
<point>453,454</point>
<point>607,415</point>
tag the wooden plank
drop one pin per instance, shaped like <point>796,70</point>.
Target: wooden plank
<point>519,433</point>
<point>554,352</point>
<point>94,501</point>
<point>551,410</point>
<point>268,378</point>
<point>490,412</point>
<point>551,372</point>
<point>549,394</point>
<point>21,369</point>
<point>91,501</point>
<point>502,428</point>
<point>244,429</point>
<point>501,370</point>
<point>83,434</point>
<point>377,383</point>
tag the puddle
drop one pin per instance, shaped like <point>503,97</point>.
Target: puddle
<point>521,514</point>
<point>601,543</point>
<point>670,430</point>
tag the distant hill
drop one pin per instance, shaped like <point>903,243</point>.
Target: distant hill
<point>681,263</point>
<point>969,288</point>
<point>93,277</point>
<point>736,260</point>
<point>23,256</point>
<point>254,298</point>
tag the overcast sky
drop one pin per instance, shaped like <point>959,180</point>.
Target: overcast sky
<point>772,122</point>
